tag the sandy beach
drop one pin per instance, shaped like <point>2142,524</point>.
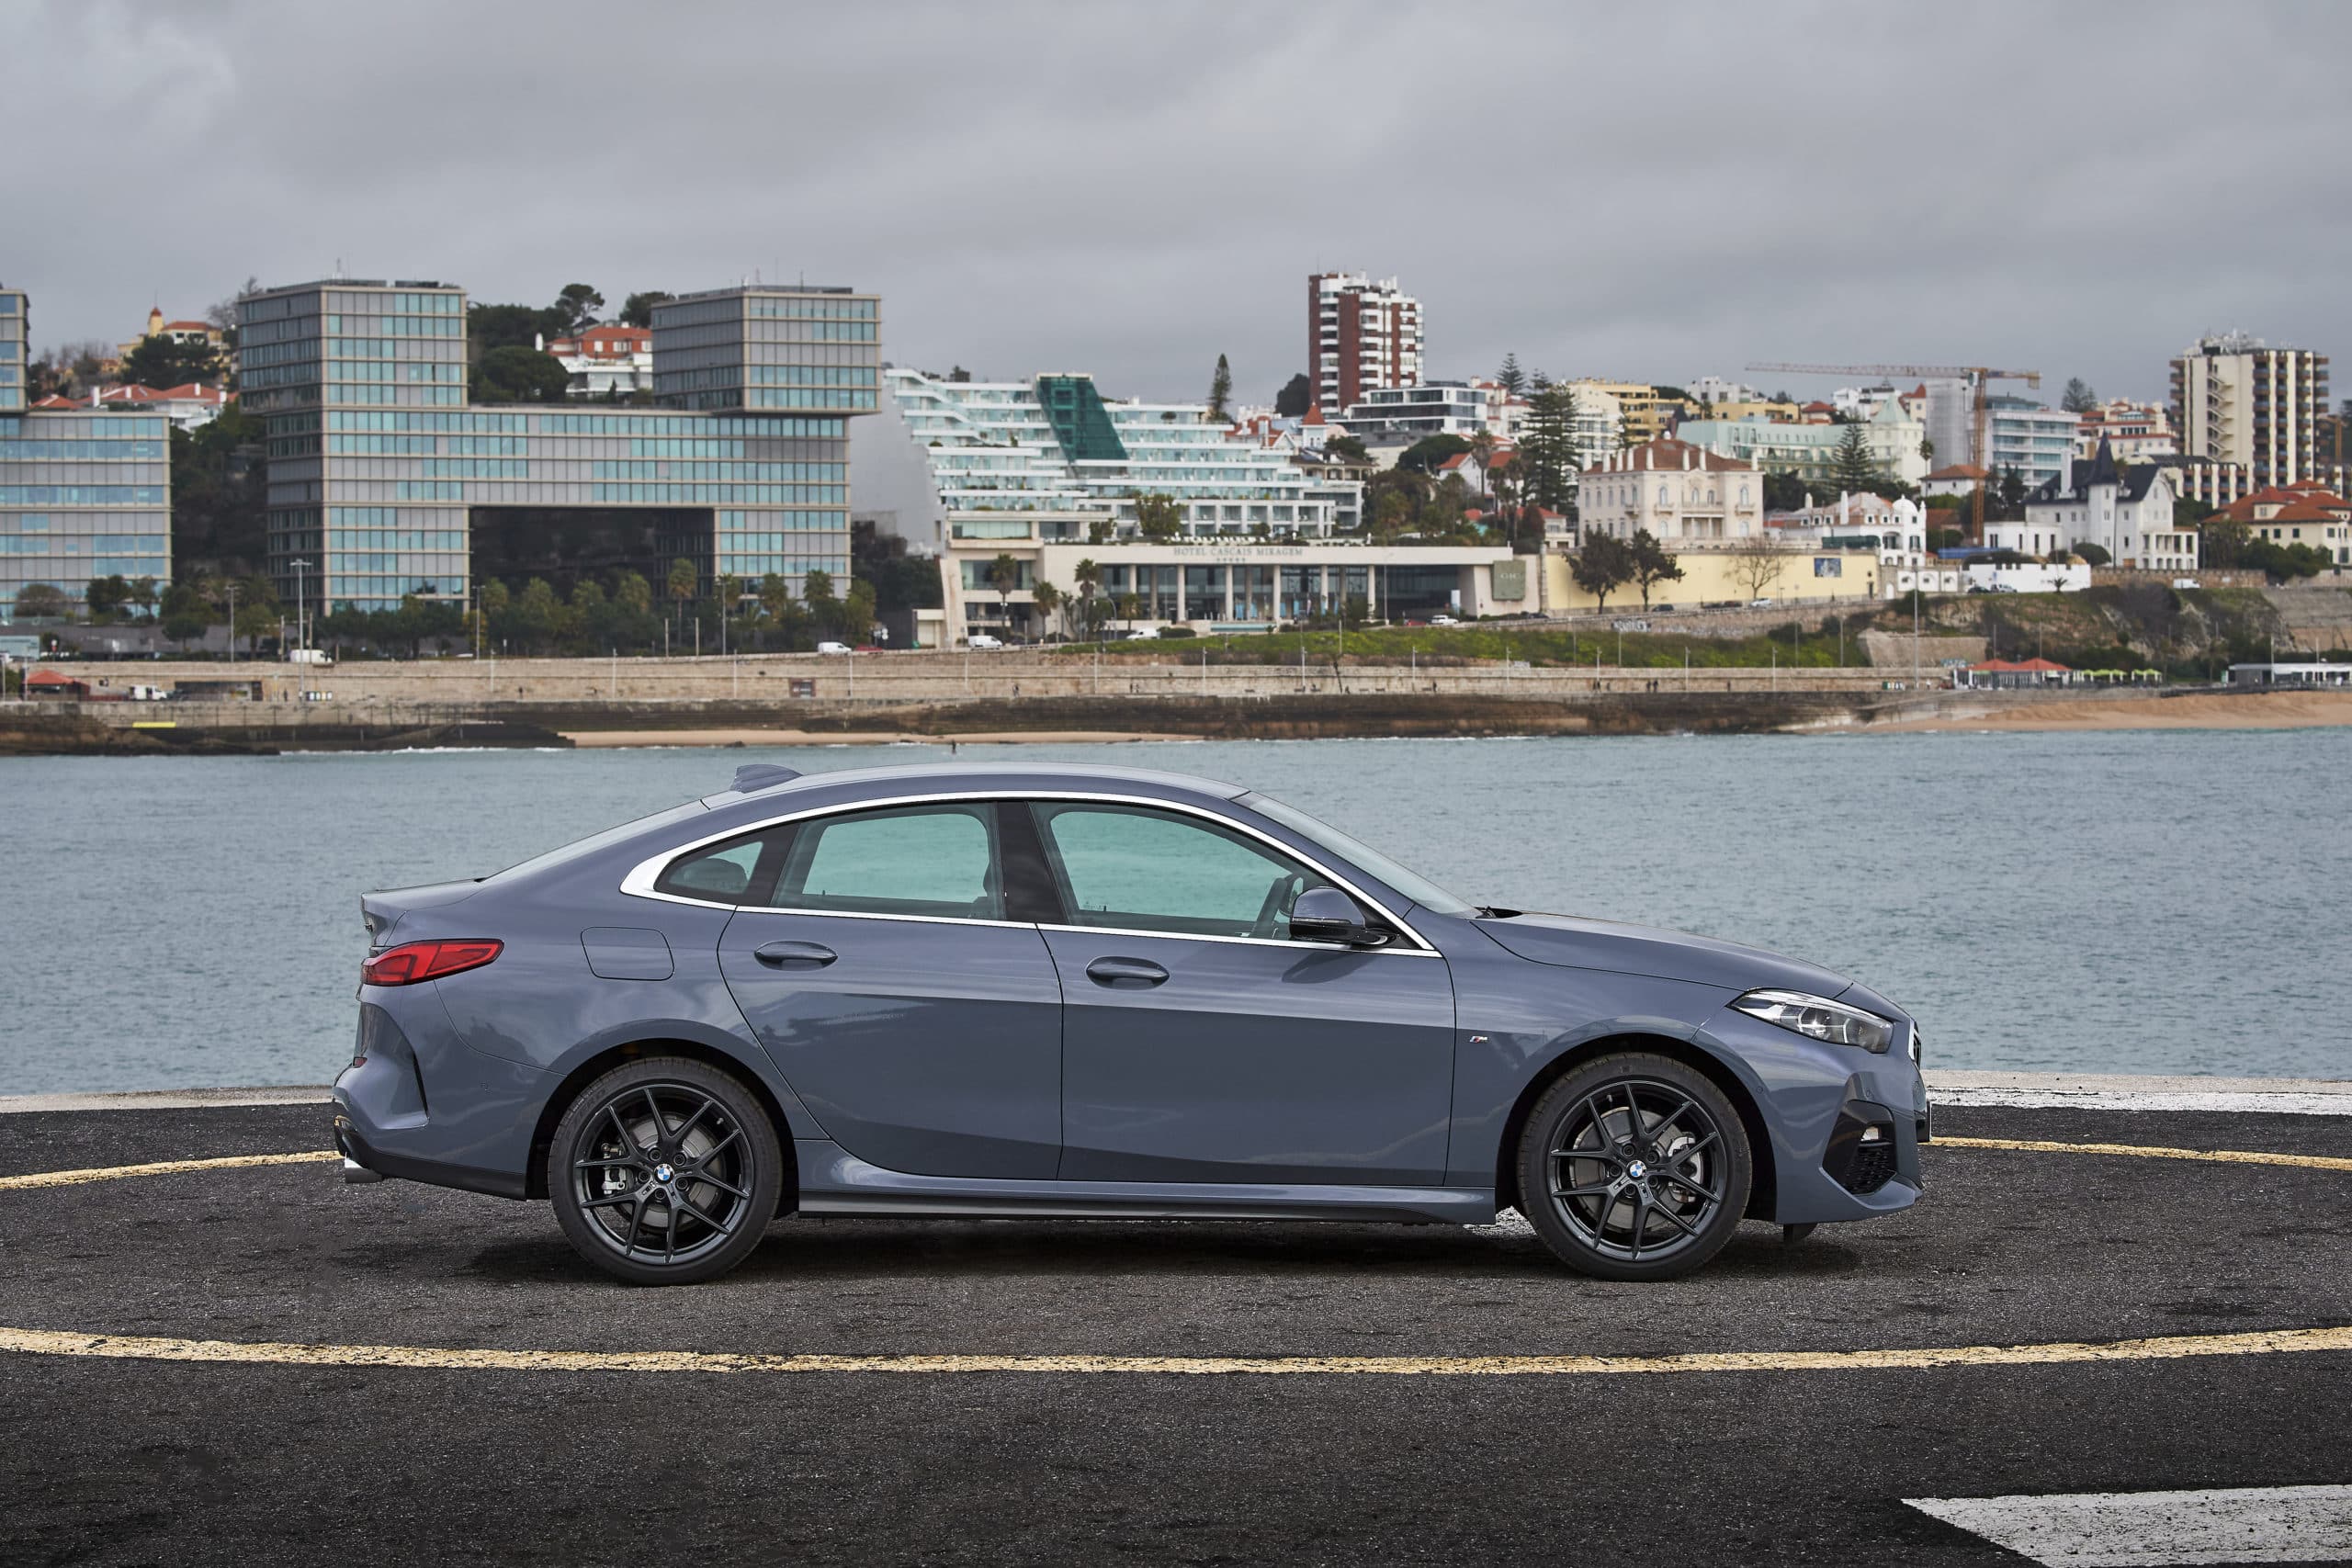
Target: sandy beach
<point>590,739</point>
<point>2282,710</point>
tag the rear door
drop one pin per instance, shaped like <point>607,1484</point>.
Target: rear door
<point>1201,1042</point>
<point>874,957</point>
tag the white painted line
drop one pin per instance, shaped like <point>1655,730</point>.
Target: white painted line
<point>1942,1078</point>
<point>2157,1529</point>
<point>2328,1103</point>
<point>165,1098</point>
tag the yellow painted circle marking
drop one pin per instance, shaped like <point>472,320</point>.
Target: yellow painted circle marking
<point>159,1167</point>
<point>145,1348</point>
<point>2148,1151</point>
<point>47,1342</point>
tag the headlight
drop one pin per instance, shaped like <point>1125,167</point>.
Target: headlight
<point>1818,1018</point>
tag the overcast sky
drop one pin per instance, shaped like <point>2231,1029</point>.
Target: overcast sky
<point>1628,191</point>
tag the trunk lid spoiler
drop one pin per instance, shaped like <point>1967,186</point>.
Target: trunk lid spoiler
<point>383,910</point>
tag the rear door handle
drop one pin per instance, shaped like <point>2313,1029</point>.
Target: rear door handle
<point>1126,972</point>
<point>794,954</point>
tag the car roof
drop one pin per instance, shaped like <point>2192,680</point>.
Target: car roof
<point>952,777</point>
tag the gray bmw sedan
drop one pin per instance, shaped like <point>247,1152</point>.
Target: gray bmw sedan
<point>1037,991</point>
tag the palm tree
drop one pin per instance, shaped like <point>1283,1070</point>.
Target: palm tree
<point>684,580</point>
<point>1048,599</point>
<point>1004,576</point>
<point>1090,578</point>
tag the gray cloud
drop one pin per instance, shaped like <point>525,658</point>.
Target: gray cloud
<point>1631,191</point>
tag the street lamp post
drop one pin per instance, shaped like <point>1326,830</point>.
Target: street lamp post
<point>301,604</point>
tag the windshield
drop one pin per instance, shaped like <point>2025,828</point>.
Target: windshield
<point>1411,883</point>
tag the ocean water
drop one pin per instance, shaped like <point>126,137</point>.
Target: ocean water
<point>2146,902</point>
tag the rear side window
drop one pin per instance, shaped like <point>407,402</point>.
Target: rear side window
<point>938,860</point>
<point>736,871</point>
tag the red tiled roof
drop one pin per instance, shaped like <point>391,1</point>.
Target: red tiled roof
<point>1666,453</point>
<point>2283,497</point>
<point>187,327</point>
<point>2022,667</point>
<point>1959,471</point>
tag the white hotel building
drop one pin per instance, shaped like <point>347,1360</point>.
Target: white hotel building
<point>1047,471</point>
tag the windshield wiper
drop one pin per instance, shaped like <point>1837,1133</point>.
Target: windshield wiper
<point>1492,912</point>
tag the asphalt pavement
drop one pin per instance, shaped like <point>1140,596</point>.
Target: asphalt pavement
<point>109,1459</point>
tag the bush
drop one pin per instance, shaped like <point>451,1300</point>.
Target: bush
<point>1178,631</point>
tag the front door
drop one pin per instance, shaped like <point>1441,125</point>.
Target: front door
<point>876,963</point>
<point>1200,1043</point>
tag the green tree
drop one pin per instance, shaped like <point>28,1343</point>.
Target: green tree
<point>538,613</point>
<point>1049,601</point>
<point>1349,446</point>
<point>105,595</point>
<point>44,600</point>
<point>1850,467</point>
<point>1784,493</point>
<point>1295,398</point>
<point>503,326</point>
<point>817,598</point>
<point>1547,449</point>
<point>2079,398</point>
<point>2093,554</point>
<point>2012,493</point>
<point>1423,456</point>
<point>1088,578</point>
<point>633,593</point>
<point>575,308</point>
<point>1004,575</point>
<point>519,375</point>
<point>1604,564</point>
<point>1652,565</point>
<point>857,612</point>
<point>1511,377</point>
<point>637,310</point>
<point>1221,389</point>
<point>161,362</point>
<point>1159,517</point>
<point>684,583</point>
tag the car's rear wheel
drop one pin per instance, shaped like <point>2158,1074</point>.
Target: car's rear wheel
<point>1633,1167</point>
<point>665,1171</point>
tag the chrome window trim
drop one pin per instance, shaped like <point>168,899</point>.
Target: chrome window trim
<point>639,882</point>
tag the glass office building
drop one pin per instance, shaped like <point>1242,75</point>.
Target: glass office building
<point>83,493</point>
<point>382,475</point>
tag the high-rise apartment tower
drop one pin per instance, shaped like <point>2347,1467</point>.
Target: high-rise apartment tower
<point>1361,336</point>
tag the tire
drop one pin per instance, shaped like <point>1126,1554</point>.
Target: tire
<point>665,1171</point>
<point>1633,1207</point>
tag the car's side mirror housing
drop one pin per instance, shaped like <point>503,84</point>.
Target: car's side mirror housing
<point>1326,914</point>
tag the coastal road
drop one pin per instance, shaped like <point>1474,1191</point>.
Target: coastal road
<point>178,1382</point>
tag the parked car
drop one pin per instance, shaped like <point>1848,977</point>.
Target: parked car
<point>1759,603</point>
<point>1037,989</point>
<point>1444,621</point>
<point>832,648</point>
<point>983,642</point>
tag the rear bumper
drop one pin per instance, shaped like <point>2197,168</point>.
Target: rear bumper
<point>374,1162</point>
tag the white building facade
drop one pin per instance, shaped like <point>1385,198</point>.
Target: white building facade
<point>1675,491</point>
<point>2127,512</point>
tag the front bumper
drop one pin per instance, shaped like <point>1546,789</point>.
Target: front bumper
<point>1844,1126</point>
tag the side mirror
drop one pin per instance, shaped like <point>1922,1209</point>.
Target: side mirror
<point>1326,914</point>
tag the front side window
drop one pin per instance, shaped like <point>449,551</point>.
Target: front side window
<point>937,861</point>
<point>1156,870</point>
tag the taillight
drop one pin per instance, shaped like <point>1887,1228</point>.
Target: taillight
<point>414,961</point>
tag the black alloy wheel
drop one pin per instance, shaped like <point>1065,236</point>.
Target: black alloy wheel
<point>1634,1167</point>
<point>664,1171</point>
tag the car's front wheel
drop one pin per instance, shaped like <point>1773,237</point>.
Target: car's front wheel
<point>665,1171</point>
<point>1633,1167</point>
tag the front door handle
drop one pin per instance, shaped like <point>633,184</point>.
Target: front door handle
<point>794,954</point>
<point>1126,972</point>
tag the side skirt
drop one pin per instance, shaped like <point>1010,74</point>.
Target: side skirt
<point>833,1181</point>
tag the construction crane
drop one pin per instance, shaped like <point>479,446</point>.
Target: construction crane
<point>1978,376</point>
